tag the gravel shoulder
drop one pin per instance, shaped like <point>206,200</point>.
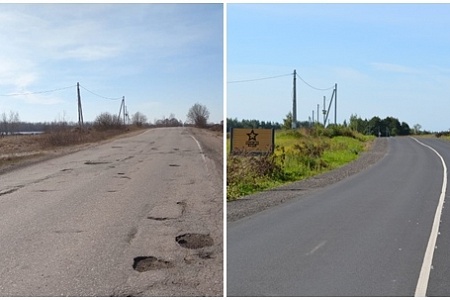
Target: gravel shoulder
<point>258,202</point>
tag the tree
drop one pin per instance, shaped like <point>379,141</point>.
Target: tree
<point>287,123</point>
<point>139,119</point>
<point>5,124</point>
<point>417,128</point>
<point>10,125</point>
<point>106,121</point>
<point>198,114</point>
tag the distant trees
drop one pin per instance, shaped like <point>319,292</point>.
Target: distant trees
<point>171,121</point>
<point>234,123</point>
<point>9,123</point>
<point>198,115</point>
<point>417,128</point>
<point>379,127</point>
<point>376,126</point>
<point>139,119</point>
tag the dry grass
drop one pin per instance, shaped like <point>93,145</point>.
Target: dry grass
<point>19,149</point>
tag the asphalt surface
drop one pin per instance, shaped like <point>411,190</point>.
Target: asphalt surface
<point>363,236</point>
<point>73,226</point>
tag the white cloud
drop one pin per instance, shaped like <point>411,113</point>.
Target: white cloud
<point>18,73</point>
<point>394,68</point>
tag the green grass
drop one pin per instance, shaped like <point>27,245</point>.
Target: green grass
<point>298,155</point>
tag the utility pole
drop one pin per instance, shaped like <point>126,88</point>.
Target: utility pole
<point>335,103</point>
<point>318,108</point>
<point>122,107</point>
<point>124,111</point>
<point>80,110</point>
<point>313,116</point>
<point>294,103</point>
<point>324,111</point>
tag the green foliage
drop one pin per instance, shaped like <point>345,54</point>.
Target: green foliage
<point>385,127</point>
<point>234,123</point>
<point>298,154</point>
<point>287,122</point>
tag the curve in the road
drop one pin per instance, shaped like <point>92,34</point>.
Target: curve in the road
<point>424,276</point>
<point>364,236</point>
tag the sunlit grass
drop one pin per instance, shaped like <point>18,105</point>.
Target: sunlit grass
<point>298,155</point>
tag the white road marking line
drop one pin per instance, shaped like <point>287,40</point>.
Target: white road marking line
<point>199,147</point>
<point>422,284</point>
<point>321,244</point>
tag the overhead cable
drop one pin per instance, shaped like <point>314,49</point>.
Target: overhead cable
<point>313,87</point>
<point>257,79</point>
<point>39,92</point>
<point>108,98</point>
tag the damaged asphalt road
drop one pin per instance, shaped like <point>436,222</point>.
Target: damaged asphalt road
<point>139,216</point>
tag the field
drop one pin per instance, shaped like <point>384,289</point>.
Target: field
<point>298,154</point>
<point>17,150</point>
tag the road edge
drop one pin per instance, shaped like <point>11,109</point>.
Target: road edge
<point>424,276</point>
<point>261,201</point>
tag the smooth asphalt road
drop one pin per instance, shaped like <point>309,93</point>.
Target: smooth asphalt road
<point>72,226</point>
<point>364,236</point>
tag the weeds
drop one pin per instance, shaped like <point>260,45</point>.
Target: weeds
<point>298,154</point>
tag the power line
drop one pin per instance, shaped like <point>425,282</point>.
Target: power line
<point>39,92</point>
<point>108,98</point>
<point>257,79</point>
<point>313,87</point>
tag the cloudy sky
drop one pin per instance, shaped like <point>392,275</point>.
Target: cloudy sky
<point>162,57</point>
<point>387,60</point>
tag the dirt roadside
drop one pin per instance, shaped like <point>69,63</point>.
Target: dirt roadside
<point>255,203</point>
<point>18,152</point>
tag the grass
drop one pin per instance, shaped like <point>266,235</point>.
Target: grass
<point>22,148</point>
<point>298,155</point>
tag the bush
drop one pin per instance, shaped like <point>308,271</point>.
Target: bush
<point>106,121</point>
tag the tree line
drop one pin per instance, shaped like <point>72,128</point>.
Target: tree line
<point>10,124</point>
<point>388,126</point>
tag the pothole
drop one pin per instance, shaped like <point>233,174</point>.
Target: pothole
<point>148,263</point>
<point>174,165</point>
<point>90,162</point>
<point>194,240</point>
<point>206,255</point>
<point>157,218</point>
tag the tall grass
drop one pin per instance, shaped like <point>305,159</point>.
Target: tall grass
<point>298,154</point>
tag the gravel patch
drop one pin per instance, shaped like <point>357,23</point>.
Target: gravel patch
<point>258,202</point>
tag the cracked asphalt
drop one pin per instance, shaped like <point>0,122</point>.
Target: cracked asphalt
<point>74,225</point>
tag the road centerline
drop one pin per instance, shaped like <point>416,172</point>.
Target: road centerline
<point>422,283</point>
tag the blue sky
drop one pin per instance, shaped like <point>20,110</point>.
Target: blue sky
<point>162,57</point>
<point>387,60</point>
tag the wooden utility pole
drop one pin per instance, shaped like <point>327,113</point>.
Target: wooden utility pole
<point>335,103</point>
<point>122,107</point>
<point>294,103</point>
<point>80,110</point>
<point>318,108</point>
